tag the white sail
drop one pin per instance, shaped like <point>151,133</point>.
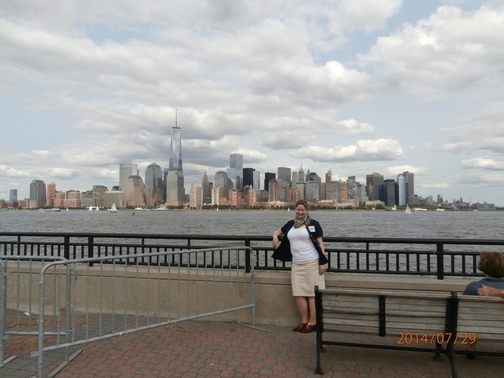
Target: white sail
<point>113,209</point>
<point>407,211</point>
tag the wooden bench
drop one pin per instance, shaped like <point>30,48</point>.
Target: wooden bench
<point>415,321</point>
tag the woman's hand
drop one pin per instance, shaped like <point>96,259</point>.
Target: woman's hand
<point>322,269</point>
<point>276,242</point>
<point>490,291</point>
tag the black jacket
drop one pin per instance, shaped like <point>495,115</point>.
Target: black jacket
<point>283,252</point>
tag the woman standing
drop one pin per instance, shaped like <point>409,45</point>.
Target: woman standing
<point>303,245</point>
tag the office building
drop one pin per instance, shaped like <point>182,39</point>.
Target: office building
<point>267,177</point>
<point>312,191</point>
<point>284,174</point>
<point>389,192</point>
<point>134,193</point>
<point>50,192</point>
<point>205,187</point>
<point>13,195</point>
<point>332,191</point>
<point>98,195</point>
<point>37,194</point>
<point>196,197</point>
<point>235,171</point>
<point>248,177</point>
<point>301,175</point>
<point>273,190</point>
<point>402,192</point>
<point>221,180</point>
<point>373,182</point>
<point>154,186</point>
<point>256,181</point>
<point>125,171</point>
<point>328,176</point>
<point>175,192</point>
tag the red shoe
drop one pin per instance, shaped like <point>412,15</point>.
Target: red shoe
<point>299,327</point>
<point>308,328</point>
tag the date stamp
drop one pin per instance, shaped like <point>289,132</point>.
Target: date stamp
<point>436,338</point>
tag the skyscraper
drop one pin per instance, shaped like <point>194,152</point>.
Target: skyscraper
<point>235,171</point>
<point>373,182</point>
<point>13,195</point>
<point>37,194</point>
<point>175,192</point>
<point>154,187</point>
<point>267,177</point>
<point>284,174</point>
<point>205,186</point>
<point>248,177</point>
<point>125,171</point>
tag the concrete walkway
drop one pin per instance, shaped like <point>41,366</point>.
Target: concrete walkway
<point>195,349</point>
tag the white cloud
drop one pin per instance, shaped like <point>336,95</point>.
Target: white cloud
<point>347,126</point>
<point>13,172</point>
<point>394,171</point>
<point>450,51</point>
<point>484,163</point>
<point>363,150</point>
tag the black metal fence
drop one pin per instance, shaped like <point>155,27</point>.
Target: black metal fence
<point>404,256</point>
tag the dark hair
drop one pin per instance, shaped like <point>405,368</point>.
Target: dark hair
<point>301,202</point>
<point>492,264</point>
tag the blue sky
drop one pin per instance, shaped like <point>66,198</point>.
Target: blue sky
<point>354,86</point>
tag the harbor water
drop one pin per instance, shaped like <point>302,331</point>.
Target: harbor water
<point>347,223</point>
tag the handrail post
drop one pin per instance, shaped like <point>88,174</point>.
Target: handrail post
<point>440,260</point>
<point>66,247</point>
<point>247,256</point>
<point>90,249</point>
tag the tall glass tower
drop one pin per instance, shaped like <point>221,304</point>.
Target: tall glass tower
<point>175,192</point>
<point>235,171</point>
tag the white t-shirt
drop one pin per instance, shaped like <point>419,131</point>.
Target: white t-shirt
<point>302,247</point>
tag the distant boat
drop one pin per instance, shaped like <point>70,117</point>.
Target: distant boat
<point>95,208</point>
<point>113,209</point>
<point>66,209</point>
<point>439,209</point>
<point>407,211</point>
<point>53,210</point>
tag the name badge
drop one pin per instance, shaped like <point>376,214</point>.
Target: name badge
<point>311,228</point>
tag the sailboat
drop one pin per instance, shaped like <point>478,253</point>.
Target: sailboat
<point>113,209</point>
<point>407,211</point>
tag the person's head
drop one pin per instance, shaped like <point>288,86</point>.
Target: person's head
<point>492,264</point>
<point>301,208</point>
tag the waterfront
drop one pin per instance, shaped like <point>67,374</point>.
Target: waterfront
<point>422,224</point>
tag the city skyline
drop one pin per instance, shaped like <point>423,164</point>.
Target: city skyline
<point>354,86</point>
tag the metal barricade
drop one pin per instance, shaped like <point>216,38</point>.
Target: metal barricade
<point>19,298</point>
<point>112,296</point>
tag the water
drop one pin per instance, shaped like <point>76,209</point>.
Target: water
<point>422,224</point>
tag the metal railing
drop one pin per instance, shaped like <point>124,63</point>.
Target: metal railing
<point>75,302</point>
<point>404,256</point>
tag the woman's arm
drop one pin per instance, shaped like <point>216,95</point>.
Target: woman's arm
<point>490,291</point>
<point>276,235</point>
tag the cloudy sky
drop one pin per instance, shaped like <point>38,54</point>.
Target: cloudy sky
<point>354,86</point>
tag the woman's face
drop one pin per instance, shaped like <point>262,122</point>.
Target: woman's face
<point>301,211</point>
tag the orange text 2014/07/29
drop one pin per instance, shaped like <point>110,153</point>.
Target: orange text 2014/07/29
<point>436,337</point>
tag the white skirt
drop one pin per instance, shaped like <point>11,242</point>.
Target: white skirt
<point>304,277</point>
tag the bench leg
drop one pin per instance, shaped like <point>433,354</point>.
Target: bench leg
<point>320,349</point>
<point>439,350</point>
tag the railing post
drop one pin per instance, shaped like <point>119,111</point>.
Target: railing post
<point>90,249</point>
<point>67,247</point>
<point>247,256</point>
<point>440,261</point>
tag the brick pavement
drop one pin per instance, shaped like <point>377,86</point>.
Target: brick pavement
<point>196,349</point>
